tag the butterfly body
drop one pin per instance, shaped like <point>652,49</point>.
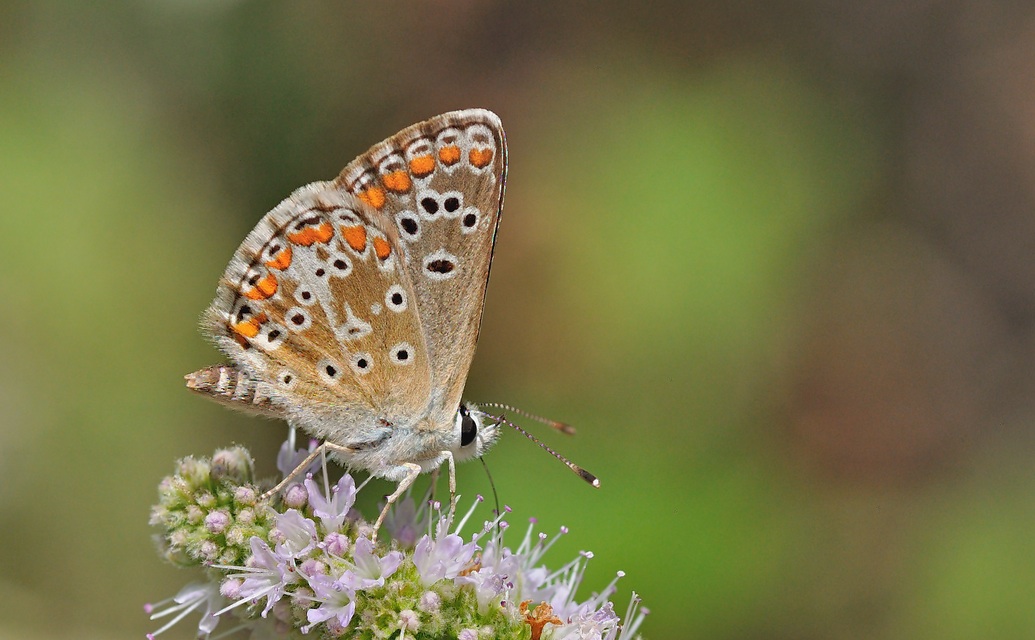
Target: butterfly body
<point>353,308</point>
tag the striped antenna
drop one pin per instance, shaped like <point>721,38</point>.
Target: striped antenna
<point>563,427</point>
<point>579,471</point>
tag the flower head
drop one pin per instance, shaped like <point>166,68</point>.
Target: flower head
<point>307,565</point>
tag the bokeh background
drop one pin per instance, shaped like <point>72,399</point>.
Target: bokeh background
<point>776,260</point>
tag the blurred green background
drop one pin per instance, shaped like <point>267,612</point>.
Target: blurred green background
<point>776,260</point>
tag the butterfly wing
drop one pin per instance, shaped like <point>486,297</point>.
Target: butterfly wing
<point>317,310</point>
<point>355,305</point>
<point>440,184</point>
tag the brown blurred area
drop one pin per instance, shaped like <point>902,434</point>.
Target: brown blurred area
<point>919,339</point>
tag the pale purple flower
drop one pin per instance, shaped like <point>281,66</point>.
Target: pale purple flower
<point>332,511</point>
<point>295,534</point>
<point>314,572</point>
<point>245,495</point>
<point>408,620</point>
<point>231,588</point>
<point>335,544</point>
<point>209,550</point>
<point>217,521</point>
<point>430,602</point>
<point>442,558</point>
<point>567,579</point>
<point>267,576</point>
<point>336,601</point>
<point>530,579</point>
<point>295,496</point>
<point>190,598</point>
<point>311,567</point>
<point>405,523</point>
<point>488,583</point>
<point>371,569</point>
<point>589,624</point>
<point>288,458</point>
<point>634,616</point>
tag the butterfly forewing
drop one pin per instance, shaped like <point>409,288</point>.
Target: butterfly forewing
<point>440,185</point>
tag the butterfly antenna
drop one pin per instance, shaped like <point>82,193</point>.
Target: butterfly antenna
<point>563,427</point>
<point>582,473</point>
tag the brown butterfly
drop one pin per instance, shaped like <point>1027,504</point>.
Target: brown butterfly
<point>353,308</point>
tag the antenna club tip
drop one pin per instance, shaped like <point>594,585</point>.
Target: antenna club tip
<point>564,428</point>
<point>587,476</point>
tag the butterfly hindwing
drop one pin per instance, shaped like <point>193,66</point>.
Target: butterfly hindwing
<point>440,184</point>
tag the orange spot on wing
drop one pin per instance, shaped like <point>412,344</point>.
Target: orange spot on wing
<point>263,288</point>
<point>374,196</point>
<point>397,181</point>
<point>381,248</point>
<point>422,166</point>
<point>480,157</point>
<point>281,261</point>
<point>311,235</point>
<point>449,155</point>
<point>250,327</point>
<point>324,232</point>
<point>356,237</point>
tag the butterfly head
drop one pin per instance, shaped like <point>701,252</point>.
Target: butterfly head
<point>472,434</point>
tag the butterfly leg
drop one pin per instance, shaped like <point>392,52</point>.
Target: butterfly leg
<point>452,485</point>
<point>432,486</point>
<point>320,450</point>
<point>413,470</point>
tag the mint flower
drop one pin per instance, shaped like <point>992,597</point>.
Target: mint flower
<point>304,565</point>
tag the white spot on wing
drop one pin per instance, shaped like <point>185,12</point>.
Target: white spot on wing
<point>271,337</point>
<point>361,363</point>
<point>354,327</point>
<point>329,371</point>
<point>287,379</point>
<point>396,292</point>
<point>298,319</point>
<point>401,354</point>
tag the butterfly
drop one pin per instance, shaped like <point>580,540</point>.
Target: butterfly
<point>353,308</point>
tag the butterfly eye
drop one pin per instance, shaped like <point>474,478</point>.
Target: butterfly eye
<point>468,427</point>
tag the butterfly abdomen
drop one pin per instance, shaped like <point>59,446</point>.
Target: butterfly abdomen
<point>229,386</point>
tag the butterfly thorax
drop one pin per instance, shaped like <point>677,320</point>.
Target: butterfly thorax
<point>382,446</point>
